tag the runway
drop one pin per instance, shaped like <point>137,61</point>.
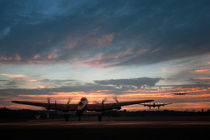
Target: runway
<point>106,124</point>
<point>110,130</point>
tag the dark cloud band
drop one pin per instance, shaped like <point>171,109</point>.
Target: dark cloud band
<point>104,33</point>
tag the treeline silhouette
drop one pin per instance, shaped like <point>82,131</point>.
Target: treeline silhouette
<point>26,114</point>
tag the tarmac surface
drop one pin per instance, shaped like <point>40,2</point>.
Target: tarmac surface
<point>177,128</point>
<point>58,123</point>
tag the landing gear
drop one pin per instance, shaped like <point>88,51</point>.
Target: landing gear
<point>48,115</point>
<point>79,117</point>
<point>99,118</point>
<point>79,113</point>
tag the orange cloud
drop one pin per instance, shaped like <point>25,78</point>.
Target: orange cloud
<point>42,87</point>
<point>96,62</point>
<point>105,38</point>
<point>4,58</point>
<point>17,58</point>
<point>36,56</point>
<point>19,76</point>
<point>188,106</point>
<point>32,80</point>
<point>75,95</point>
<point>16,76</point>
<point>51,56</point>
<point>203,70</point>
<point>102,59</point>
<point>202,78</point>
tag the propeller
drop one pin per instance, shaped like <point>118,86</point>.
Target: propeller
<point>115,98</point>
<point>69,100</point>
<point>48,100</point>
<point>102,103</point>
<point>104,100</point>
<point>117,105</point>
<point>48,108</point>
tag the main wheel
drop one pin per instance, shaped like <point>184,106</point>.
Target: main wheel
<point>79,118</point>
<point>67,118</point>
<point>99,118</point>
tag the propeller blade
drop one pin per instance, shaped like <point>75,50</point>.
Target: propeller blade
<point>115,98</point>
<point>104,100</point>
<point>69,100</point>
<point>48,106</point>
<point>55,103</point>
<point>48,100</point>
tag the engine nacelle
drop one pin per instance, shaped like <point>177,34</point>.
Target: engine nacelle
<point>82,104</point>
<point>118,107</point>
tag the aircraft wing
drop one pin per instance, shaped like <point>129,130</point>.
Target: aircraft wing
<point>89,107</point>
<point>63,107</point>
<point>110,106</point>
<point>132,102</point>
<point>32,103</point>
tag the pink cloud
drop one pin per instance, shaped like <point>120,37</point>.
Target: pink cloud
<point>102,60</point>
<point>16,76</point>
<point>17,58</point>
<point>201,70</point>
<point>52,56</point>
<point>202,78</point>
<point>155,50</point>
<point>4,58</point>
<point>36,56</point>
<point>142,51</point>
<point>19,76</point>
<point>105,38</point>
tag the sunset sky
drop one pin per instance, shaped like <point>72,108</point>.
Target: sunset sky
<point>132,49</point>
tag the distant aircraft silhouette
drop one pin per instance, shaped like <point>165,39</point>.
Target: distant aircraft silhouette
<point>83,107</point>
<point>158,105</point>
<point>180,93</point>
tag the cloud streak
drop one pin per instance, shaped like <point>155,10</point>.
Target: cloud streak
<point>137,82</point>
<point>16,76</point>
<point>150,31</point>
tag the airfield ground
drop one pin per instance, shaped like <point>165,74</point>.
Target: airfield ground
<point>170,128</point>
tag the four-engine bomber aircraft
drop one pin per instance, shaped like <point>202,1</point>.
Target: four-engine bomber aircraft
<point>158,105</point>
<point>83,107</point>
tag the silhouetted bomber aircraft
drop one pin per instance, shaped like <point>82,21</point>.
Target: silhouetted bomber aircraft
<point>180,93</point>
<point>158,105</point>
<point>83,107</point>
